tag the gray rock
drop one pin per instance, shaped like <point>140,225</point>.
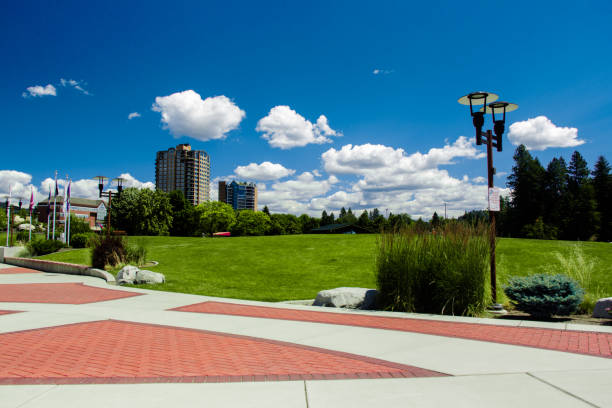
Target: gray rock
<point>600,308</point>
<point>351,298</point>
<point>127,274</point>
<point>144,276</point>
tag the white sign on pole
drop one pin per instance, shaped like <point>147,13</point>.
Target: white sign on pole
<point>494,199</point>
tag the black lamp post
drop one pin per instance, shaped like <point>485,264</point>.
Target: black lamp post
<point>110,195</point>
<point>493,107</point>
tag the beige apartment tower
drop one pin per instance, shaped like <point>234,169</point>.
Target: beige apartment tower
<point>186,170</point>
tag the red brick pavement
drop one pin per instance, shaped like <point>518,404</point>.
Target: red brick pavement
<point>66,293</point>
<point>124,352</point>
<point>3,312</point>
<point>591,343</point>
<point>10,271</point>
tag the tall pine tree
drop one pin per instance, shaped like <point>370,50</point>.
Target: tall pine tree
<point>526,182</point>
<point>582,219</point>
<point>602,184</point>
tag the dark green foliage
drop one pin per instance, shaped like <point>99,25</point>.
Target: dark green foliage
<point>283,224</point>
<point>445,272</point>
<point>526,182</point>
<point>38,247</point>
<point>251,223</point>
<point>142,212</point>
<point>78,226</point>
<point>23,236</point>
<point>108,250</point>
<point>80,240</point>
<point>183,215</point>
<point>308,223</point>
<point>559,203</point>
<point>543,295</point>
<point>602,184</point>
<point>539,230</point>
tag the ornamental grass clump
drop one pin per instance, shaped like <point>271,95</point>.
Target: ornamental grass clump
<point>441,272</point>
<point>544,295</point>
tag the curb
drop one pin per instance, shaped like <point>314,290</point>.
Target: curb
<point>60,267</point>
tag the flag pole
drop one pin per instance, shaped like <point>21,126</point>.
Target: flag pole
<point>48,213</point>
<point>8,216</point>
<point>54,204</point>
<point>31,205</point>
<point>68,213</point>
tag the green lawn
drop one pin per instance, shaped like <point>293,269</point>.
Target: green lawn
<point>298,266</point>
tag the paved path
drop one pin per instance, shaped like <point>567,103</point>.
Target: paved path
<point>73,341</point>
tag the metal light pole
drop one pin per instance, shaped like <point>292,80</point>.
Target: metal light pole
<point>493,107</point>
<point>109,194</point>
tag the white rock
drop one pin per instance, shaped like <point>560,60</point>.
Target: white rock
<point>127,274</point>
<point>600,308</point>
<point>351,298</point>
<point>26,227</point>
<point>144,276</point>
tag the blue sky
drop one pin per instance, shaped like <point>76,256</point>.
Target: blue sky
<point>344,100</point>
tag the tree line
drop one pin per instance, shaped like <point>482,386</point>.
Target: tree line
<point>147,212</point>
<point>560,201</point>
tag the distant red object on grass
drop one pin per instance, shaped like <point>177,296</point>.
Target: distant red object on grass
<point>221,234</point>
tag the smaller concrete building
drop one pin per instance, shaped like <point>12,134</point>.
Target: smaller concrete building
<point>92,211</point>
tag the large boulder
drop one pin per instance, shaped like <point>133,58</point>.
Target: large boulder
<point>127,274</point>
<point>600,308</point>
<point>144,276</point>
<point>352,298</point>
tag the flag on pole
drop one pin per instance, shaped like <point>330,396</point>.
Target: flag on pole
<point>8,216</point>
<point>31,208</point>
<point>48,211</point>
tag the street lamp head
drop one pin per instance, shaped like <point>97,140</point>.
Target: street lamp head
<point>499,108</point>
<point>119,181</point>
<point>101,180</point>
<point>477,98</point>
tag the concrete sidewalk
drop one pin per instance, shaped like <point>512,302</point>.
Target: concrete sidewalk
<point>476,373</point>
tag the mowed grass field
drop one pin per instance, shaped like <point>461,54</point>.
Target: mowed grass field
<point>294,267</point>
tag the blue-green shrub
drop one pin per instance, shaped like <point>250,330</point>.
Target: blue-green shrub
<point>544,295</point>
<point>443,272</point>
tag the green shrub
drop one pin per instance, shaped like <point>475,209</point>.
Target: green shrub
<point>544,295</point>
<point>78,226</point>
<point>38,247</point>
<point>136,254</point>
<point>107,250</point>
<point>23,236</point>
<point>79,240</point>
<point>443,272</point>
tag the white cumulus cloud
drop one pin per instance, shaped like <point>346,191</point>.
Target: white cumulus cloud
<point>39,91</point>
<point>263,171</point>
<point>186,114</point>
<point>285,128</point>
<point>133,115</point>
<point>540,133</point>
<point>384,160</point>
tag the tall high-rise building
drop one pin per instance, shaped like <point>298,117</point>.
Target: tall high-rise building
<point>240,195</point>
<point>184,169</point>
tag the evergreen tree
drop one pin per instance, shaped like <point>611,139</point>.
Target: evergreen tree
<point>582,220</point>
<point>364,220</point>
<point>602,184</point>
<point>435,220</point>
<point>325,220</point>
<point>555,195</point>
<point>526,182</point>
<point>266,210</point>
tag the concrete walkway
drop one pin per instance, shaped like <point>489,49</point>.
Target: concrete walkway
<point>74,341</point>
